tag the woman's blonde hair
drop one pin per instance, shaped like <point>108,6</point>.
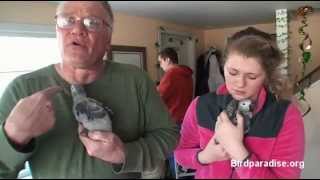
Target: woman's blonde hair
<point>257,44</point>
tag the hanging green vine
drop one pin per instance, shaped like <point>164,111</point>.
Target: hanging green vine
<point>305,44</point>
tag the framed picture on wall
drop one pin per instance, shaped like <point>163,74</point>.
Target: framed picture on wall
<point>133,55</point>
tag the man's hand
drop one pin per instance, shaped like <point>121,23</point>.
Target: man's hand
<point>212,152</point>
<point>103,145</point>
<point>31,117</point>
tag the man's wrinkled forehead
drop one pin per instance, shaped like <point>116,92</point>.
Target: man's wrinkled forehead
<point>93,8</point>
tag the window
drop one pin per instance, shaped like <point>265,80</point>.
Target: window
<point>23,54</point>
<point>25,48</point>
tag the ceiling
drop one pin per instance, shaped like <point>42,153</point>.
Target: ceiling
<point>210,14</point>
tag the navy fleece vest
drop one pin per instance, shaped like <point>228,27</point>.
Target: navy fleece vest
<point>266,123</point>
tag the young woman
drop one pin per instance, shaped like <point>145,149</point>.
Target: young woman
<point>274,145</point>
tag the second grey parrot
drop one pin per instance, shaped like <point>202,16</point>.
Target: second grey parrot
<point>90,112</point>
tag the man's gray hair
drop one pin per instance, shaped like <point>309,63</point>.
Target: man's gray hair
<point>105,5</point>
<point>108,8</point>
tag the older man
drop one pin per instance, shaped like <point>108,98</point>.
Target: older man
<point>38,124</point>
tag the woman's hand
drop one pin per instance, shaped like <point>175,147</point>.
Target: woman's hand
<point>231,136</point>
<point>213,152</point>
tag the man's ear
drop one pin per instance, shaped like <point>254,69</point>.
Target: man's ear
<point>108,53</point>
<point>167,60</point>
<point>108,48</point>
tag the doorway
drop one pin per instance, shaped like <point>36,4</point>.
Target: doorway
<point>184,44</point>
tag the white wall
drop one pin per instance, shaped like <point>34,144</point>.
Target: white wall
<point>312,131</point>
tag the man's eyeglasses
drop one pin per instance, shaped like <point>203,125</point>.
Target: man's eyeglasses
<point>91,23</point>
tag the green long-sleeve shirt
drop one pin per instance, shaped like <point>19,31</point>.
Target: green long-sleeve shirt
<point>140,120</point>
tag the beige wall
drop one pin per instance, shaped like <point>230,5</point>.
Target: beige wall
<point>128,30</point>
<point>30,12</point>
<point>139,31</point>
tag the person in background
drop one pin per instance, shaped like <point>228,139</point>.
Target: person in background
<point>37,122</point>
<point>175,89</point>
<point>176,85</point>
<point>217,148</point>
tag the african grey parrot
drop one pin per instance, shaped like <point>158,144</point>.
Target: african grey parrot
<point>245,108</point>
<point>89,112</point>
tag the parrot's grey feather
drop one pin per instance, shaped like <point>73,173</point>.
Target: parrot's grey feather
<point>90,112</point>
<point>244,107</point>
<point>78,90</point>
<point>231,110</point>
